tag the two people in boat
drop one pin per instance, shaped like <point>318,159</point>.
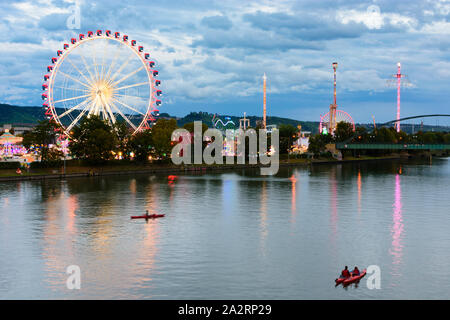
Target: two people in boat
<point>347,274</point>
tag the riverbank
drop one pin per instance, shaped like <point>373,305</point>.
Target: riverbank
<point>75,172</point>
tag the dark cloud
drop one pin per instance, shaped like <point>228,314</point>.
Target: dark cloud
<point>217,22</point>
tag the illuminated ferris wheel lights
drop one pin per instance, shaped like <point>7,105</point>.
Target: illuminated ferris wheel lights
<point>98,82</point>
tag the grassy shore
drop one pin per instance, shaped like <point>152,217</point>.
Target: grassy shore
<point>85,171</point>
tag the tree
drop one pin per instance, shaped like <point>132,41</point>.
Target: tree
<point>190,127</point>
<point>386,135</point>
<point>141,145</point>
<point>361,135</point>
<point>344,131</point>
<point>288,133</point>
<point>94,139</point>
<point>318,142</point>
<point>123,135</point>
<point>429,137</point>
<point>42,135</point>
<point>161,137</point>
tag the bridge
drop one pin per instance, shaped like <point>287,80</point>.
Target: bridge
<point>346,145</point>
<point>391,146</point>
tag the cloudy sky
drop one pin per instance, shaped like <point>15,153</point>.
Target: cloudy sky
<point>212,54</point>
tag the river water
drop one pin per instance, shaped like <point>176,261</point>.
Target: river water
<point>231,235</point>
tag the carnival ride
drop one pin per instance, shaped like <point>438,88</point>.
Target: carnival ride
<point>329,121</point>
<point>219,124</point>
<point>103,74</point>
<point>338,116</point>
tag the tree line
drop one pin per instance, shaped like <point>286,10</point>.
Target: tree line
<point>344,133</point>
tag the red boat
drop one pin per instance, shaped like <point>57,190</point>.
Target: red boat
<point>340,280</point>
<point>150,216</point>
<point>350,279</point>
<point>354,278</point>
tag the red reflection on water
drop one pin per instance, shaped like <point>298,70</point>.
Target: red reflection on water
<point>359,191</point>
<point>171,179</point>
<point>72,206</point>
<point>293,197</point>
<point>397,227</point>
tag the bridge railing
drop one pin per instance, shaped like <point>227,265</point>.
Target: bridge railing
<point>391,146</point>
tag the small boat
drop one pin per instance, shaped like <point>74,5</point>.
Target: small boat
<point>340,280</point>
<point>354,278</point>
<point>150,216</point>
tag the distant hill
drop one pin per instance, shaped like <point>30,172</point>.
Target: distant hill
<point>30,115</point>
<point>23,115</point>
<point>206,117</point>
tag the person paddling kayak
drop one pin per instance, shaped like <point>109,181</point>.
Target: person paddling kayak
<point>355,272</point>
<point>345,273</point>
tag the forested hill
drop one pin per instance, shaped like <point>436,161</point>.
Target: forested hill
<point>23,115</point>
<point>31,115</point>
<point>206,117</point>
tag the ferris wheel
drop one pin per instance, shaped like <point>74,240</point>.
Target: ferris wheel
<point>102,74</point>
<point>324,125</point>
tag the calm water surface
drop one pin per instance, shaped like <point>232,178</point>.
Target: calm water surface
<point>231,235</point>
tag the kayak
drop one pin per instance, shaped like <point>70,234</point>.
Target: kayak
<point>340,280</point>
<point>354,278</point>
<point>150,216</point>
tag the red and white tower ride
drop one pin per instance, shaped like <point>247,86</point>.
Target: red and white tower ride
<point>264,100</point>
<point>399,82</point>
<point>333,107</point>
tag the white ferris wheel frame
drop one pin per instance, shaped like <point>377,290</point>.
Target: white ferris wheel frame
<point>66,52</point>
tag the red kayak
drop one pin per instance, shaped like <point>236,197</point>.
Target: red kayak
<point>150,216</point>
<point>340,280</point>
<point>354,278</point>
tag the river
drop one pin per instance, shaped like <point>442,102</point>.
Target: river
<point>232,234</point>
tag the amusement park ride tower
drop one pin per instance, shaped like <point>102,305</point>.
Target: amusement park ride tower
<point>333,106</point>
<point>264,100</point>
<point>329,121</point>
<point>399,81</point>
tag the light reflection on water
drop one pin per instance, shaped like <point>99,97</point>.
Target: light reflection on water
<point>230,235</point>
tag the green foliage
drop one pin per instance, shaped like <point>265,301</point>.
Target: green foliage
<point>344,131</point>
<point>288,134</point>
<point>141,145</point>
<point>318,141</point>
<point>93,139</point>
<point>430,137</point>
<point>42,135</point>
<point>9,165</point>
<point>386,135</point>
<point>161,137</point>
<point>190,127</point>
<point>122,133</point>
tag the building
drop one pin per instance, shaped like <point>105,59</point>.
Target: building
<point>17,129</point>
